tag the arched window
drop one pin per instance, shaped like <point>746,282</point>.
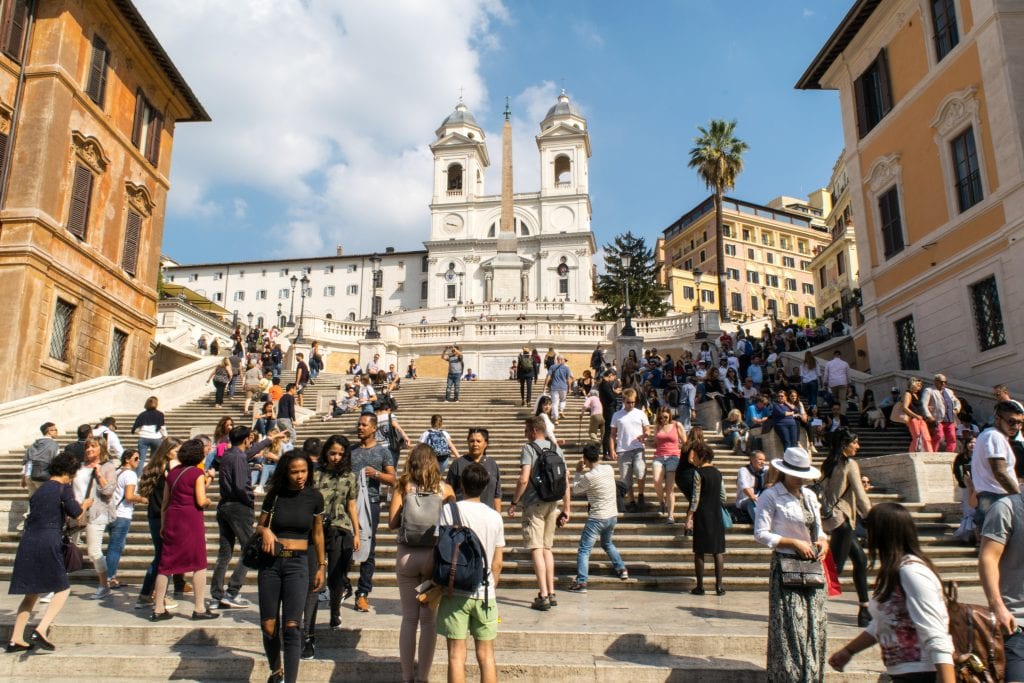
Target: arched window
<point>329,316</point>
<point>563,277</point>
<point>455,177</point>
<point>563,171</point>
<point>351,316</point>
<point>520,227</point>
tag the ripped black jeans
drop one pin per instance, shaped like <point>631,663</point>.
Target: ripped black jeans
<point>283,585</point>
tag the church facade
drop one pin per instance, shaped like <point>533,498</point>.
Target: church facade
<point>544,254</point>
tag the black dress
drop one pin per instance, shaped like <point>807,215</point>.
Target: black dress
<point>708,525</point>
<point>685,474</point>
<point>39,564</point>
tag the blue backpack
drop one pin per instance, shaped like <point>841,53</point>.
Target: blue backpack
<point>437,441</point>
<point>460,563</point>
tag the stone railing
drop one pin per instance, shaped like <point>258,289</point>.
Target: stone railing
<point>94,399</point>
<point>324,328</point>
<point>176,314</point>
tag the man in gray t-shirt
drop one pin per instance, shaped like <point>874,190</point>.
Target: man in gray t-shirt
<point>1001,566</point>
<point>375,460</point>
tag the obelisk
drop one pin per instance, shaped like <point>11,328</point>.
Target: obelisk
<point>507,266</point>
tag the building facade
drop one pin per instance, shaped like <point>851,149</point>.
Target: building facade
<point>835,267</point>
<point>932,100</point>
<point>88,106</point>
<point>768,254</point>
<point>552,247</point>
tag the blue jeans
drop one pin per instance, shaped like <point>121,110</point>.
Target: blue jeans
<point>750,507</point>
<point>115,546</point>
<point>811,392</point>
<point>145,446</point>
<point>149,583</point>
<point>788,435</point>
<point>593,529</point>
<point>1014,647</point>
<point>276,370</point>
<point>268,470</point>
<point>452,386</point>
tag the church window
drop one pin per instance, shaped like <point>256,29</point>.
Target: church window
<point>455,178</point>
<point>523,230</point>
<point>449,292</point>
<point>423,289</point>
<point>424,264</point>
<point>563,171</point>
<point>352,316</point>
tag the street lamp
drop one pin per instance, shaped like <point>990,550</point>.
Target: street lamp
<point>302,309</point>
<point>249,317</point>
<point>701,334</point>
<point>291,308</point>
<point>461,276</point>
<point>372,332</point>
<point>627,329</point>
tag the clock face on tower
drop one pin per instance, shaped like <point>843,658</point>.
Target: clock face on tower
<point>453,223</point>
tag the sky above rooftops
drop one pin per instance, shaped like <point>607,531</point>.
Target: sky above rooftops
<point>323,111</point>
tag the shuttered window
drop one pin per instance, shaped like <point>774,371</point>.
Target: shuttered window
<point>81,195</point>
<point>872,94</point>
<point>147,127</point>
<point>60,332</point>
<point>12,32</point>
<point>132,234</point>
<point>4,140</point>
<point>118,346</point>
<point>96,88</point>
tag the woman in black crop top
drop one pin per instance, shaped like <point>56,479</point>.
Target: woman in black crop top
<point>291,518</point>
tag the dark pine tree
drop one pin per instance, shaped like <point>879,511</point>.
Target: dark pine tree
<point>646,298</point>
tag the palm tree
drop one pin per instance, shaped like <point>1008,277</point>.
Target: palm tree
<point>718,159</point>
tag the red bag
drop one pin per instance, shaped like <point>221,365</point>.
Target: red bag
<point>831,575</point>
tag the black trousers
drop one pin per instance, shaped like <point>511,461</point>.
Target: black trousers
<point>526,388</point>
<point>283,585</point>
<point>338,553</point>
<point>844,545</point>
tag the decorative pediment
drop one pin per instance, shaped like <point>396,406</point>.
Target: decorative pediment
<point>955,111</point>
<point>884,172</point>
<point>139,199</point>
<point>89,150</point>
<point>561,129</point>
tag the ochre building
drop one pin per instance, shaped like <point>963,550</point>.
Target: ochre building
<point>88,105</point>
<point>768,252</point>
<point>932,100</point>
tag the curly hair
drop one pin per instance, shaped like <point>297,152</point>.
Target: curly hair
<point>421,470</point>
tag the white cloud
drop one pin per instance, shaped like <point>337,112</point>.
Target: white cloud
<point>808,13</point>
<point>320,105</point>
<point>241,208</point>
<point>588,34</point>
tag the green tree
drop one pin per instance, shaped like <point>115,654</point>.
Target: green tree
<point>646,298</point>
<point>718,158</point>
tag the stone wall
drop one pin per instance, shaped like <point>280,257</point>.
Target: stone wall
<point>918,477</point>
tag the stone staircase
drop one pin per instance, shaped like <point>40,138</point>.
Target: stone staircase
<point>657,554</point>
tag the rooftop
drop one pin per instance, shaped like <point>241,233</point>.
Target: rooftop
<point>837,42</point>
<point>739,206</point>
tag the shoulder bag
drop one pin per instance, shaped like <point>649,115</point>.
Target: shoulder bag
<point>798,572</point>
<point>70,551</point>
<point>253,555</point>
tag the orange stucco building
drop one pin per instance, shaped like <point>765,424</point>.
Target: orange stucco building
<point>932,99</point>
<point>88,106</point>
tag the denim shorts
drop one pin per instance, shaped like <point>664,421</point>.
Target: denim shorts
<point>669,462</point>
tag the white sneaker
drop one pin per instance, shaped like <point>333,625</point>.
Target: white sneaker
<point>102,592</point>
<point>169,603</point>
<point>259,490</point>
<point>47,597</point>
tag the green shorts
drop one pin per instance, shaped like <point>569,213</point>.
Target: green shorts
<point>459,615</point>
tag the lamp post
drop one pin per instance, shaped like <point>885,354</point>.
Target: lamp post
<point>372,332</point>
<point>302,308</point>
<point>461,277</point>
<point>701,334</point>
<point>249,317</point>
<point>291,308</point>
<point>627,329</point>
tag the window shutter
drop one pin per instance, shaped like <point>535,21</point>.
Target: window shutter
<point>156,126</point>
<point>15,23</point>
<point>81,193</point>
<point>860,99</point>
<point>132,234</point>
<point>140,112</point>
<point>97,85</point>
<point>4,141</point>
<point>885,92</point>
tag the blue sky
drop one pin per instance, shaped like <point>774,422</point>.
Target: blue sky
<point>323,110</point>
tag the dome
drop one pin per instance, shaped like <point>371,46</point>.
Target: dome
<point>563,108</point>
<point>461,116</point>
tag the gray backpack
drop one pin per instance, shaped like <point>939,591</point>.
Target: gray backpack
<point>421,514</point>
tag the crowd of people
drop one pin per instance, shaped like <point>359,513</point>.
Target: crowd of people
<point>321,504</point>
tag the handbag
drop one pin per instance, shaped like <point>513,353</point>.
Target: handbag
<point>978,652</point>
<point>69,549</point>
<point>252,554</point>
<point>726,518</point>
<point>798,572</point>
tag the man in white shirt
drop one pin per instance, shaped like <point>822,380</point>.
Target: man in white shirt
<point>630,429</point>
<point>750,483</point>
<point>687,408</point>
<point>941,407</point>
<point>837,380</point>
<point>476,614</point>
<point>108,430</point>
<point>992,463</point>
<point>596,481</point>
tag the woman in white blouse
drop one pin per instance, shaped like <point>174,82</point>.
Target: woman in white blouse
<point>789,522</point>
<point>908,610</point>
<point>544,413</point>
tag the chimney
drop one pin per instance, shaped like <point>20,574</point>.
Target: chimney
<point>341,252</point>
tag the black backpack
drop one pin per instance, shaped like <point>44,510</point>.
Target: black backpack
<point>460,563</point>
<point>548,474</point>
